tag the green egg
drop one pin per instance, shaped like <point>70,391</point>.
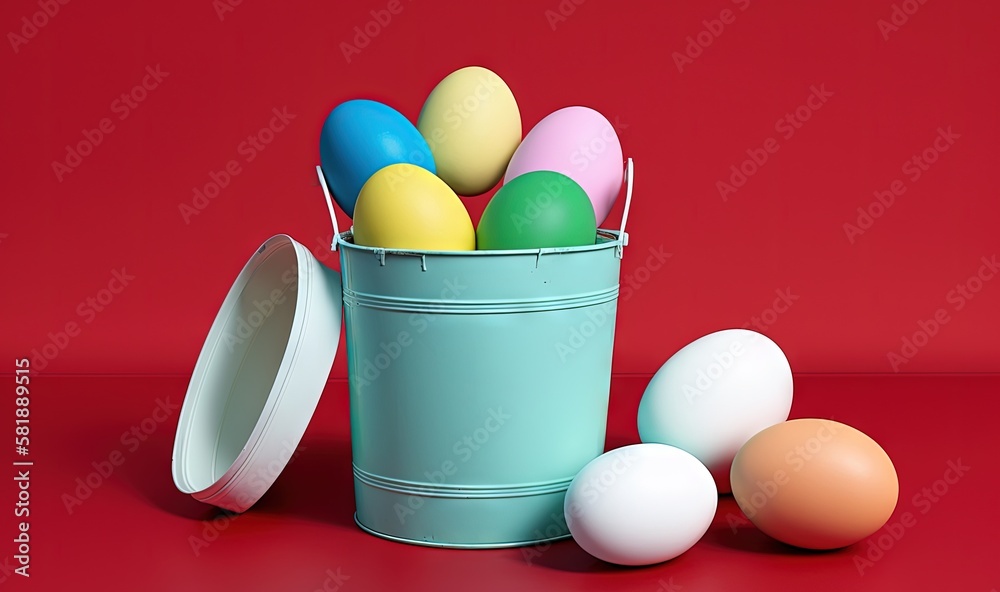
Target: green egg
<point>537,210</point>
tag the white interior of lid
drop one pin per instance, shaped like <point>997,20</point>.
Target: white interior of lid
<point>239,370</point>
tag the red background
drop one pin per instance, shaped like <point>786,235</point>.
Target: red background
<point>783,230</point>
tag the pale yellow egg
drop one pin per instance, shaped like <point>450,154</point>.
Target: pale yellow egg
<point>473,125</point>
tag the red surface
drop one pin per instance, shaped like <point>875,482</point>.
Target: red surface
<point>134,531</point>
<point>60,242</point>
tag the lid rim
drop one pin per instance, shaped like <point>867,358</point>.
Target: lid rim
<point>230,475</point>
<point>196,386</point>
<point>293,395</point>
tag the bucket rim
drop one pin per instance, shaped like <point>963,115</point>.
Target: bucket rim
<point>611,239</point>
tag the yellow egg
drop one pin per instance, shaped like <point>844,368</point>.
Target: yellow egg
<point>472,124</point>
<point>403,206</point>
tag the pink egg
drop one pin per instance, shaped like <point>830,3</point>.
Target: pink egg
<point>579,143</point>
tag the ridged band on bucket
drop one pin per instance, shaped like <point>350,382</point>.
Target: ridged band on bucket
<point>457,306</point>
<point>460,491</point>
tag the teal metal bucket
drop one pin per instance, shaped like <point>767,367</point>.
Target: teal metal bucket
<point>479,384</point>
<point>479,387</point>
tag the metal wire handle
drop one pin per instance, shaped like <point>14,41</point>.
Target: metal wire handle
<point>329,205</point>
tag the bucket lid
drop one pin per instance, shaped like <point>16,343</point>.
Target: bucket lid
<point>259,376</point>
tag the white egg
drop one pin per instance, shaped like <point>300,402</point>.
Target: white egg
<point>640,504</point>
<point>714,394</point>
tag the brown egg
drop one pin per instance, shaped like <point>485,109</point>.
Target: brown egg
<point>814,483</point>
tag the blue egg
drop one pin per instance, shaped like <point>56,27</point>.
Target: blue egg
<point>360,137</point>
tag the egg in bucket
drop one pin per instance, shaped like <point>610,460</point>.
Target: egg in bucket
<point>580,143</point>
<point>479,381</point>
<point>472,124</point>
<point>407,207</point>
<point>360,137</point>
<point>537,209</point>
